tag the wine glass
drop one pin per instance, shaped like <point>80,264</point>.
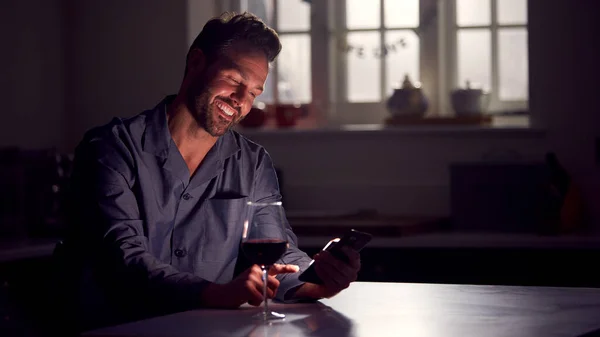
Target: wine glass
<point>264,241</point>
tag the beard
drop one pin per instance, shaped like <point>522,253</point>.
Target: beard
<point>207,115</point>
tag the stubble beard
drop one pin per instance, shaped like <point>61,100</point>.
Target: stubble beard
<point>207,115</point>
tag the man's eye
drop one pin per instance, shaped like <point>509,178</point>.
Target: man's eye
<point>253,94</point>
<point>234,80</point>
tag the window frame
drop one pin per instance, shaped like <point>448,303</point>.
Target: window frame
<point>496,105</point>
<point>238,6</point>
<point>344,112</point>
<point>339,35</point>
<point>438,68</point>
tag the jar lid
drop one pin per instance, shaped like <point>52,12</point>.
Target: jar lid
<point>469,89</point>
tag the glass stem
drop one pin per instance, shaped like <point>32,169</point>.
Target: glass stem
<point>265,270</point>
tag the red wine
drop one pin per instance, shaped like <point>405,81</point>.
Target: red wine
<point>264,251</point>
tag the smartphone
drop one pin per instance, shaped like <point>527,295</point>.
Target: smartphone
<point>354,239</point>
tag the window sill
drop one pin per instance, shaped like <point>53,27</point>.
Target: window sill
<point>501,125</point>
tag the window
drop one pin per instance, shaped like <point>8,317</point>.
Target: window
<point>489,44</point>
<point>290,80</point>
<point>378,44</point>
<point>346,56</point>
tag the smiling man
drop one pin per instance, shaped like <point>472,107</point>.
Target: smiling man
<point>157,200</point>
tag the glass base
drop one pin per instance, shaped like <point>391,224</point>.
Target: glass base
<point>268,316</point>
<point>265,314</point>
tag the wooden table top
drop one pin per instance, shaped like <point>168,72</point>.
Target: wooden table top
<point>398,309</point>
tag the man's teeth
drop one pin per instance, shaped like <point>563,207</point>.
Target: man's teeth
<point>226,109</point>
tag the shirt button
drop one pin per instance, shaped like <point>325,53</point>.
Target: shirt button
<point>180,252</point>
<point>187,196</point>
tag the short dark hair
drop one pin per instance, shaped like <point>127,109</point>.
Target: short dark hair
<point>229,28</point>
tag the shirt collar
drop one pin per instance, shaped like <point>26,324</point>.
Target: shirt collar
<point>229,145</point>
<point>157,137</point>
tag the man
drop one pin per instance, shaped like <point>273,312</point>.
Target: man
<point>157,199</point>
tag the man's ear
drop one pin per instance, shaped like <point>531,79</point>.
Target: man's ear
<point>196,61</point>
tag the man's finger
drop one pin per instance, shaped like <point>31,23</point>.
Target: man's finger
<point>270,292</point>
<point>256,278</point>
<point>271,288</point>
<point>272,283</point>
<point>254,292</point>
<point>283,269</point>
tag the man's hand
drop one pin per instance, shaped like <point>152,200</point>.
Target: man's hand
<point>336,274</point>
<point>245,288</point>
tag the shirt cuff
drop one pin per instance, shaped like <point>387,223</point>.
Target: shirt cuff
<point>287,290</point>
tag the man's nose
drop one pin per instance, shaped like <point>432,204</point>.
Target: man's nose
<point>235,99</point>
<point>238,96</point>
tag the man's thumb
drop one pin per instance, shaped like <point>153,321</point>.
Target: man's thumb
<point>283,269</point>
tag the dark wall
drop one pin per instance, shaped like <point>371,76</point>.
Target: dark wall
<point>564,67</point>
<point>32,74</point>
<point>121,58</point>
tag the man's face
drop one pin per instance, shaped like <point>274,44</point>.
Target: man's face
<point>222,92</point>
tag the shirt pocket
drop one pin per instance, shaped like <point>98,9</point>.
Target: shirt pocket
<point>223,231</point>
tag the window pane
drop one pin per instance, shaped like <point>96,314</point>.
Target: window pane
<point>293,15</point>
<point>268,95</point>
<point>512,63</point>
<point>293,67</point>
<point>364,67</point>
<point>474,58</point>
<point>511,11</point>
<point>402,58</point>
<point>473,12</point>
<point>401,13</point>
<point>261,8</point>
<point>363,14</point>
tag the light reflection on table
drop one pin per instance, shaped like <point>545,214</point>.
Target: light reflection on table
<point>397,309</point>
